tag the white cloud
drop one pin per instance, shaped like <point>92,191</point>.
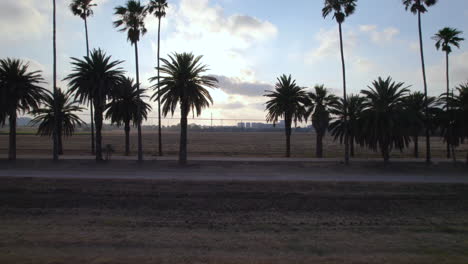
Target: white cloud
<point>329,45</point>
<point>204,29</point>
<point>380,37</point>
<point>20,19</point>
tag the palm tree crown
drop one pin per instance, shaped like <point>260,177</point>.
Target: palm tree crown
<point>286,101</point>
<point>420,6</point>
<point>131,20</point>
<point>158,8</point>
<point>447,37</point>
<point>184,84</point>
<point>82,8</point>
<point>340,9</point>
<point>123,107</point>
<point>68,120</point>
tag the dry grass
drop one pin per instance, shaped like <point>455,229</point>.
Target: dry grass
<point>215,144</point>
<point>104,221</point>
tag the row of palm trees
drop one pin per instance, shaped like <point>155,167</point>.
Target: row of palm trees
<point>384,117</point>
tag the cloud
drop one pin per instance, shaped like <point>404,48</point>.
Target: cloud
<point>20,19</point>
<point>203,28</point>
<point>329,44</point>
<point>232,85</point>
<point>380,37</point>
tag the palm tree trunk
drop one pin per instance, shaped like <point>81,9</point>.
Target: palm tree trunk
<point>159,99</point>
<point>288,138</point>
<point>416,146</point>
<point>319,145</point>
<point>60,137</point>
<point>127,138</point>
<point>91,103</point>
<point>183,134</point>
<point>385,152</point>
<point>12,141</point>
<point>140,143</point>
<point>345,100</point>
<point>55,133</point>
<point>351,139</point>
<point>98,121</point>
<point>447,102</point>
<point>428,139</point>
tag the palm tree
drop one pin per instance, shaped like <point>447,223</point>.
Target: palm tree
<point>67,119</point>
<point>445,38</point>
<point>93,77</point>
<point>420,7</point>
<point>286,101</point>
<point>341,9</point>
<point>186,85</point>
<point>414,105</point>
<point>20,91</point>
<point>158,8</point>
<point>124,106</point>
<point>56,125</point>
<point>383,118</point>
<point>83,9</point>
<point>131,19</point>
<point>319,106</point>
<point>355,107</point>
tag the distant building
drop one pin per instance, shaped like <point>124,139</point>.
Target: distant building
<point>248,125</point>
<point>241,125</point>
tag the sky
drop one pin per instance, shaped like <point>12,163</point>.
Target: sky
<point>248,45</point>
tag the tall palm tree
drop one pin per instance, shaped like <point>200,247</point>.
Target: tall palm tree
<point>20,91</point>
<point>54,36</point>
<point>83,9</point>
<point>320,103</point>
<point>383,118</point>
<point>286,101</point>
<point>67,119</point>
<point>341,9</point>
<point>158,8</point>
<point>420,7</point>
<point>414,105</point>
<point>131,19</point>
<point>184,84</point>
<point>337,127</point>
<point>445,38</point>
<point>126,101</point>
<point>93,77</point>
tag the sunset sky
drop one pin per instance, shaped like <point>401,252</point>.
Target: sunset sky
<point>248,44</point>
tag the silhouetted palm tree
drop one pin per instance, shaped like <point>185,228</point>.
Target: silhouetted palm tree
<point>383,118</point>
<point>67,119</point>
<point>286,101</point>
<point>445,38</point>
<point>414,105</point>
<point>124,106</point>
<point>54,77</point>
<point>341,9</point>
<point>131,19</point>
<point>93,77</point>
<point>320,102</point>
<point>184,84</point>
<point>20,91</point>
<point>337,127</point>
<point>420,7</point>
<point>158,8</point>
<point>83,9</point>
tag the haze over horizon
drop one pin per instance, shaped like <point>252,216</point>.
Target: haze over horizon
<point>247,44</point>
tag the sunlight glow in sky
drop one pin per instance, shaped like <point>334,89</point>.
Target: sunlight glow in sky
<point>248,44</point>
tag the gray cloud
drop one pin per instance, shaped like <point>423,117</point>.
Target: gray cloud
<point>236,86</point>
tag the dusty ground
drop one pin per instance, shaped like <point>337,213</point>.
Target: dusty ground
<point>215,144</point>
<point>129,221</point>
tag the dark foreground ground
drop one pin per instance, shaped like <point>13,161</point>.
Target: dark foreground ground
<point>153,221</point>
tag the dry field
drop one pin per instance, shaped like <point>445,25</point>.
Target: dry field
<point>269,144</point>
<point>114,221</point>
